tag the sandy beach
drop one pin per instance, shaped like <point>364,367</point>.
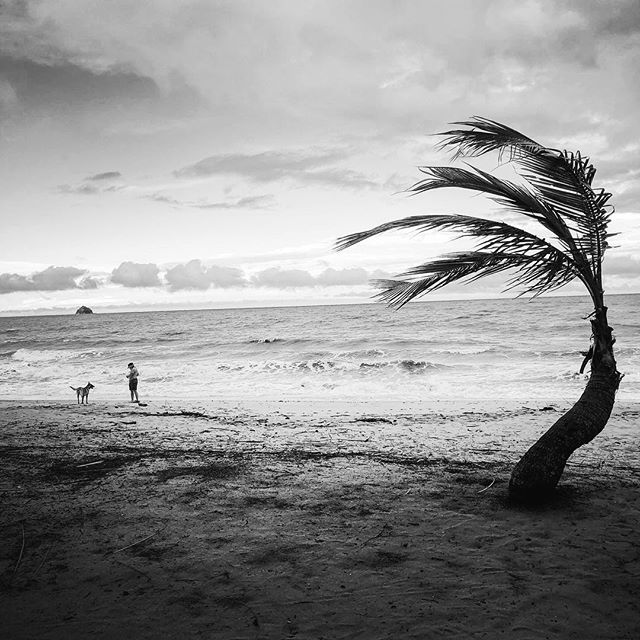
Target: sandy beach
<point>310,520</point>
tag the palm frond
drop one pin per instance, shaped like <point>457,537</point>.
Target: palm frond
<point>466,225</point>
<point>482,135</point>
<point>494,234</point>
<point>491,236</point>
<point>565,182</point>
<point>513,197</point>
<point>538,273</point>
<point>396,293</point>
<point>562,179</point>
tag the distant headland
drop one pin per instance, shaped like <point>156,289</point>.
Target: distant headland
<point>84,309</point>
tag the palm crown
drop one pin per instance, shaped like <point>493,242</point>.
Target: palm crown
<point>557,193</point>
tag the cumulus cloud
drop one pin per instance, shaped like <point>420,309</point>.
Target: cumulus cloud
<point>88,283</point>
<point>283,278</point>
<point>132,274</point>
<point>224,277</point>
<point>56,278</point>
<point>194,275</point>
<point>51,279</point>
<point>330,277</point>
<point>191,275</point>
<point>10,282</point>
<point>289,278</point>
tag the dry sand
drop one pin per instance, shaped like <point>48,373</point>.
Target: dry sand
<point>310,520</point>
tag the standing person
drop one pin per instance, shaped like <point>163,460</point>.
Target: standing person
<point>133,382</point>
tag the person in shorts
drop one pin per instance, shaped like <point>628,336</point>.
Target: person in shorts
<point>133,382</point>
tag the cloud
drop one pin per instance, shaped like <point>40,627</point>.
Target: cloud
<point>310,166</point>
<point>82,189</point>
<point>330,277</point>
<point>8,96</point>
<point>251,203</point>
<point>10,282</point>
<point>165,199</point>
<point>88,283</point>
<point>283,278</point>
<point>50,279</point>
<point>194,275</point>
<point>61,67</point>
<point>56,278</point>
<point>341,71</point>
<point>108,181</point>
<point>100,183</point>
<point>224,277</point>
<point>131,274</point>
<point>622,265</point>
<point>191,275</point>
<point>107,175</point>
<point>620,18</point>
<point>64,86</point>
<point>335,66</point>
<point>288,278</point>
<point>269,165</point>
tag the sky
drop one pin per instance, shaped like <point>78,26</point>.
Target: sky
<point>196,154</point>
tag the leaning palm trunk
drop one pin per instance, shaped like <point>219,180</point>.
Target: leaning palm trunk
<point>559,197</point>
<point>540,469</point>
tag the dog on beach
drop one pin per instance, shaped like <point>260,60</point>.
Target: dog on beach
<point>83,393</point>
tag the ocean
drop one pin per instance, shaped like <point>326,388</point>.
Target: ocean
<point>475,349</point>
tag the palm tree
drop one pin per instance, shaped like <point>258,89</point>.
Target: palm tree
<point>556,192</point>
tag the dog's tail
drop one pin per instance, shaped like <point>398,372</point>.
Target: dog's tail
<point>70,387</point>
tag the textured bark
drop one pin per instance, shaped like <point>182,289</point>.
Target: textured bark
<point>538,472</point>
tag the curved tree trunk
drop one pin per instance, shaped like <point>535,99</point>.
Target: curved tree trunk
<point>540,469</point>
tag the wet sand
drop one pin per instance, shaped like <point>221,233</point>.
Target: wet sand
<point>310,520</point>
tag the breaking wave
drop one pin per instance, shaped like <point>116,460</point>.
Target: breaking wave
<point>34,356</point>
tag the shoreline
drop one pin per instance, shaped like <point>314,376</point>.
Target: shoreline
<point>461,430</point>
<point>309,520</point>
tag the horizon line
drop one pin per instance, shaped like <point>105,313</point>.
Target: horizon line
<point>115,309</point>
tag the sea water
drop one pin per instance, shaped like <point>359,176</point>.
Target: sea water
<point>472,349</point>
